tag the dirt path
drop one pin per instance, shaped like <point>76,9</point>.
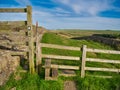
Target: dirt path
<point>70,85</point>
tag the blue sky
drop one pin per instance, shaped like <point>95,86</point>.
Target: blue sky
<point>68,14</point>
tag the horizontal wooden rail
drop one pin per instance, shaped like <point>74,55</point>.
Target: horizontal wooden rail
<point>64,67</point>
<point>60,57</point>
<point>102,69</point>
<point>103,51</point>
<point>16,10</point>
<point>8,33</point>
<point>67,75</point>
<point>19,23</point>
<point>60,47</point>
<point>6,42</point>
<point>17,53</point>
<point>100,76</point>
<point>103,60</point>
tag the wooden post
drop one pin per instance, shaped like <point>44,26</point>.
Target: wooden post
<point>30,35</point>
<point>47,69</point>
<point>83,61</point>
<point>55,71</point>
<point>38,51</point>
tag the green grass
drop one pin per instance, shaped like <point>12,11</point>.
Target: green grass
<point>92,83</point>
<point>32,82</point>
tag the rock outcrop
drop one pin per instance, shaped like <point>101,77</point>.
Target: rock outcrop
<point>8,65</point>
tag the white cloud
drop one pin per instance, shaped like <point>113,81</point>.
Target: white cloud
<point>91,7</point>
<point>50,21</point>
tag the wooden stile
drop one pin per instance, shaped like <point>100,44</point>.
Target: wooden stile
<point>29,31</point>
<point>47,68</point>
<point>55,71</point>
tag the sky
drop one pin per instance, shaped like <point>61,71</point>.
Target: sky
<point>68,14</point>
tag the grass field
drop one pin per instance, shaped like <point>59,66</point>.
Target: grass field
<point>35,82</point>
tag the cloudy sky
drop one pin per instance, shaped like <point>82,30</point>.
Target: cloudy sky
<point>68,14</point>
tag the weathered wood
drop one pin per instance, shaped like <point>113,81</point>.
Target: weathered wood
<point>38,50</point>
<point>103,51</point>
<point>10,32</point>
<point>102,69</point>
<point>60,47</point>
<point>60,57</point>
<point>31,44</point>
<point>47,68</point>
<point>17,10</point>
<point>67,75</point>
<point>83,61</point>
<point>100,76</point>
<point>103,60</point>
<point>18,23</point>
<point>18,37</point>
<point>66,67</point>
<point>8,44</point>
<point>55,72</point>
<point>17,53</point>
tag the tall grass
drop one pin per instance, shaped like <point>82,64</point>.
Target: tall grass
<point>92,83</point>
<point>32,82</point>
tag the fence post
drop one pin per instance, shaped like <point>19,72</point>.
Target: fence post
<point>30,35</point>
<point>83,61</point>
<point>47,69</point>
<point>38,50</point>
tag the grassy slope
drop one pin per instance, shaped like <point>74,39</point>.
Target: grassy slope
<point>34,82</point>
<point>84,84</point>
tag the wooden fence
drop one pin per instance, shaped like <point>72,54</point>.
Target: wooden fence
<point>28,31</point>
<point>85,59</point>
<point>81,67</point>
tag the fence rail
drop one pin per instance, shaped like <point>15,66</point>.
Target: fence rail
<point>60,57</point>
<point>102,69</point>
<point>64,67</point>
<point>102,60</point>
<point>103,51</point>
<point>16,10</point>
<point>60,47</point>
